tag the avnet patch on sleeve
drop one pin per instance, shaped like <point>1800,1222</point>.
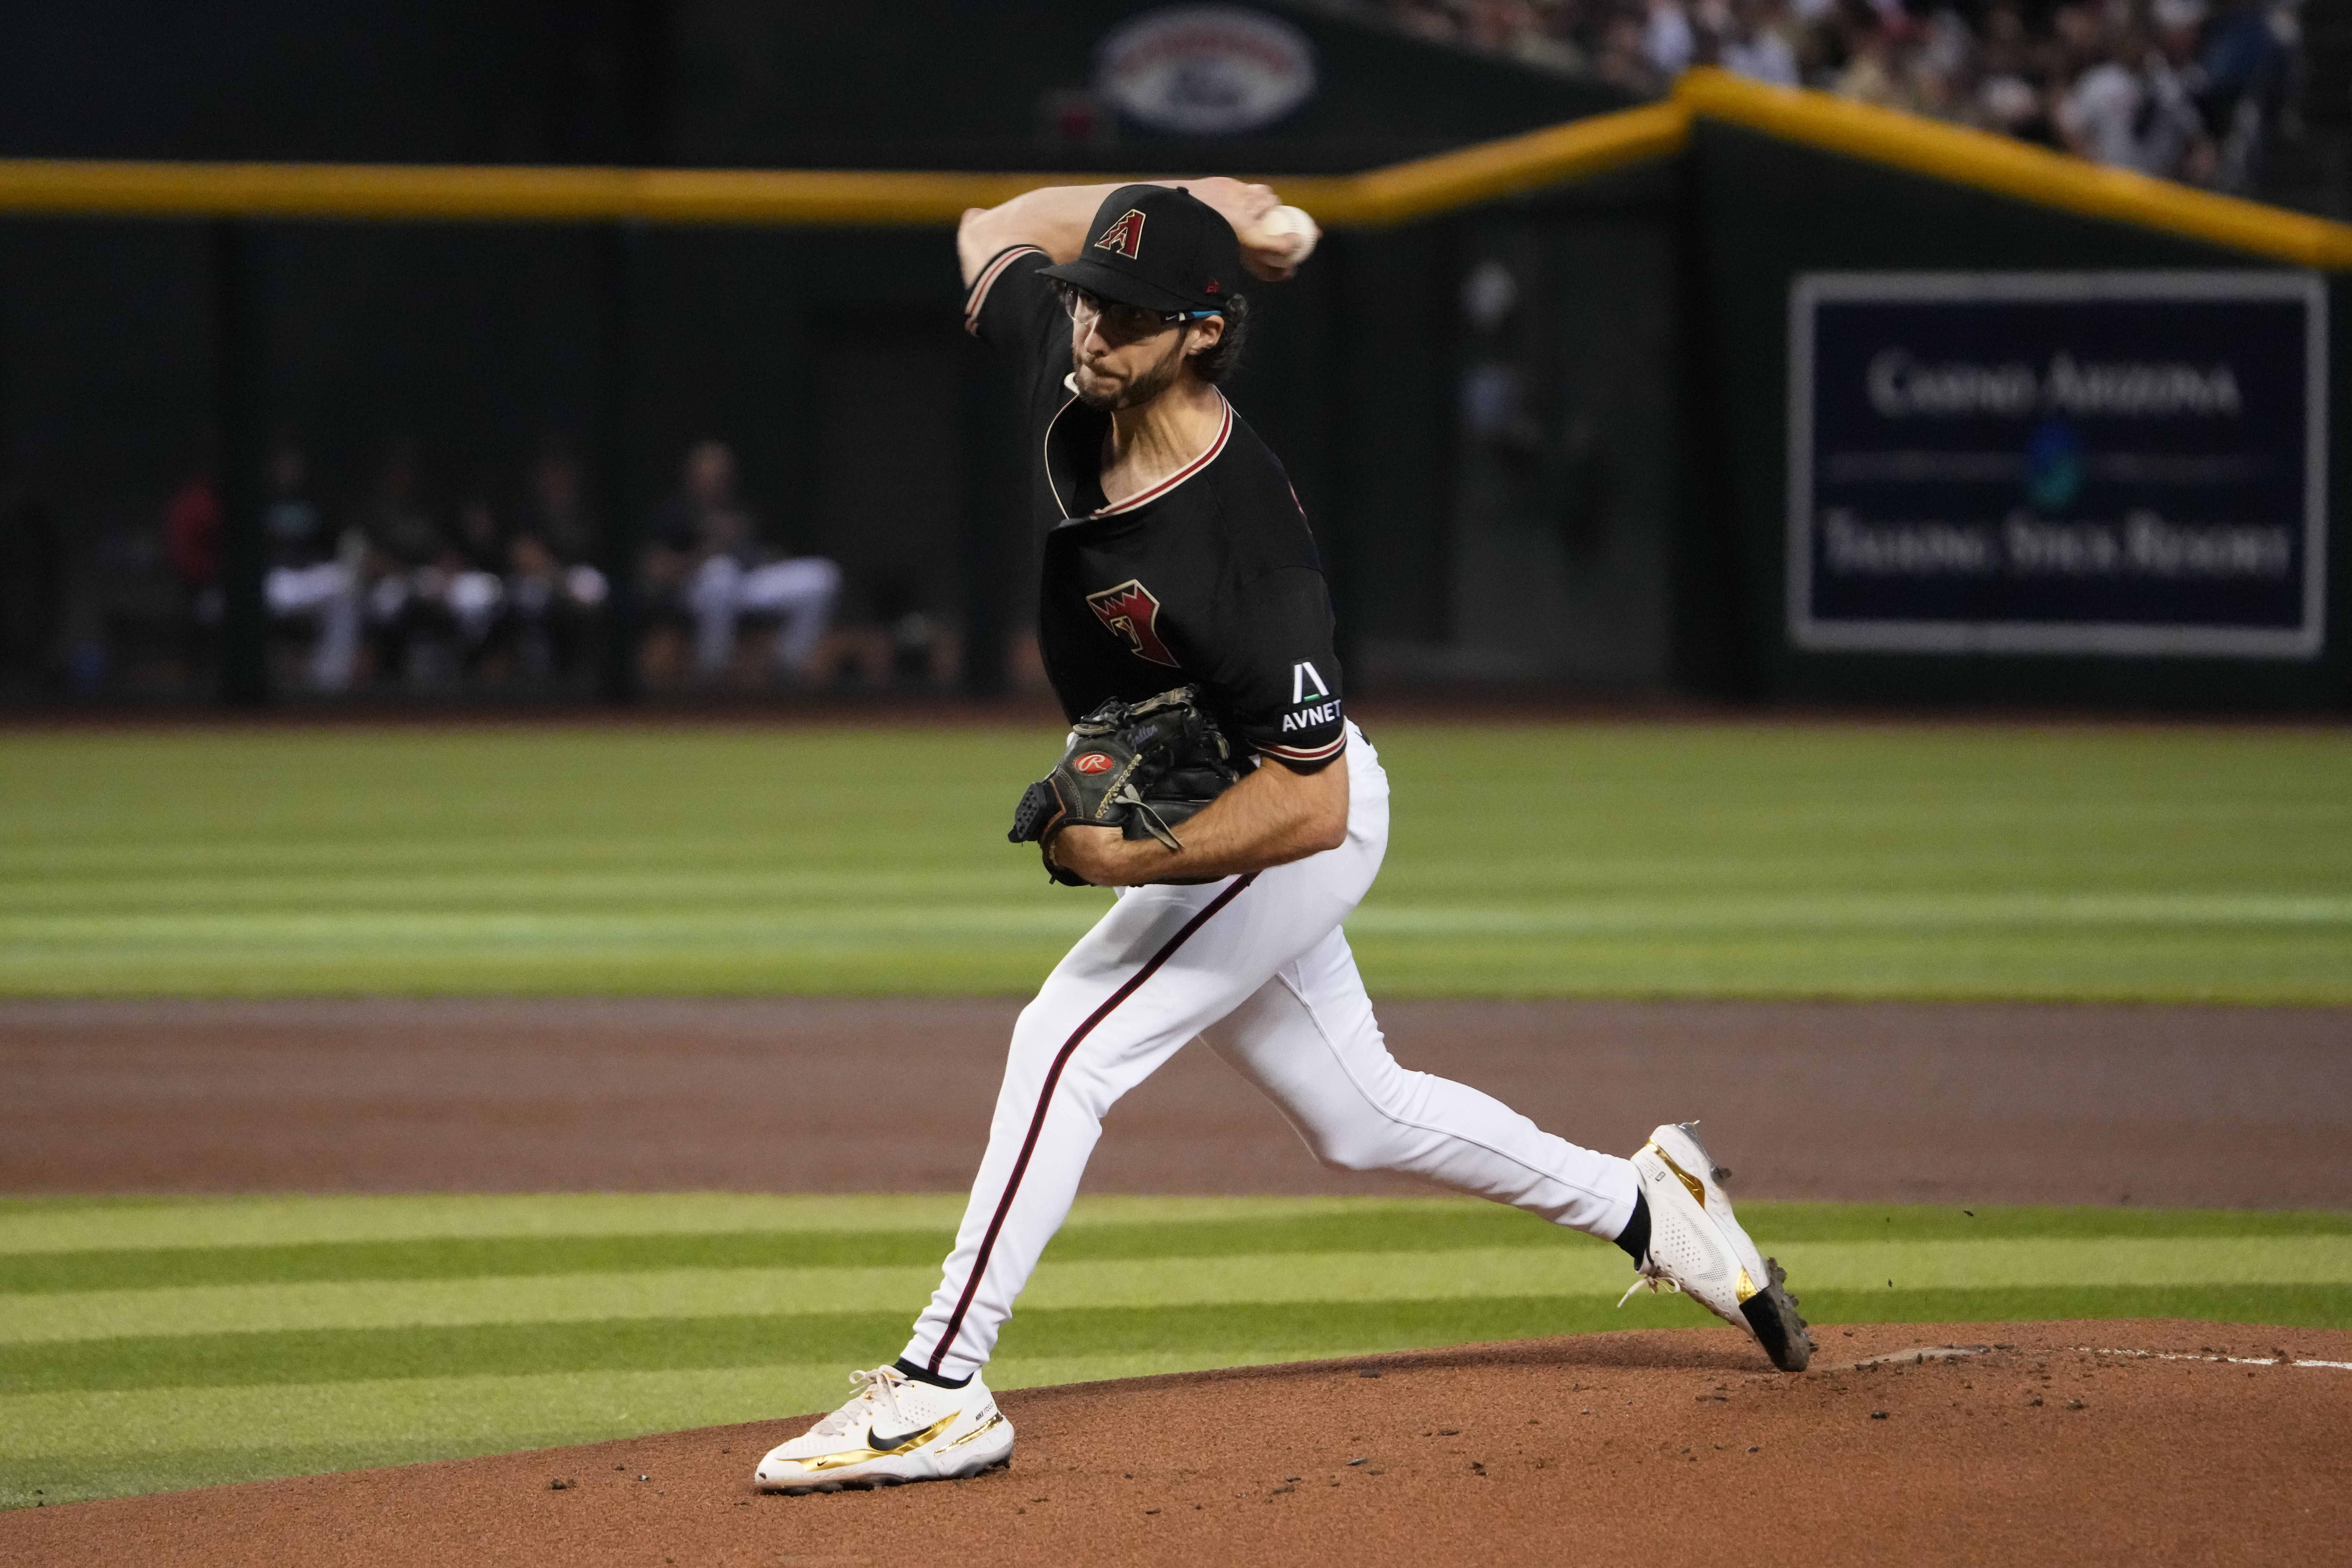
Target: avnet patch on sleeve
<point>1283,688</point>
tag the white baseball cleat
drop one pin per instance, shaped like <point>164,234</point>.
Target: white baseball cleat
<point>893,1430</point>
<point>1697,1247</point>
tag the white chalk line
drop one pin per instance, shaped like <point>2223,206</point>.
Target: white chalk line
<point>1921,1355</point>
<point>2225,1360</point>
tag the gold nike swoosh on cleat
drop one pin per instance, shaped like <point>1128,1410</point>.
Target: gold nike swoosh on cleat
<point>990,1425</point>
<point>1697,1188</point>
<point>876,1449</point>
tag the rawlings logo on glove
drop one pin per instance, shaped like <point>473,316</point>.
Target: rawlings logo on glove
<point>1141,767</point>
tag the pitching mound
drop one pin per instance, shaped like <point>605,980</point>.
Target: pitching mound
<point>2108,1442</point>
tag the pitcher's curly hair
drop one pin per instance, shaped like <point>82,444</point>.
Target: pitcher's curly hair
<point>1215,363</point>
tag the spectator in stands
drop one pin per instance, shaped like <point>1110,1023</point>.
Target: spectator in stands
<point>1668,39</point>
<point>1623,58</point>
<point>2243,72</point>
<point>192,543</point>
<point>1756,44</point>
<point>553,591</point>
<point>707,555</point>
<point>407,578</point>
<point>2106,79</point>
<point>2132,109</point>
<point>2008,96</point>
<point>472,579</point>
<point>308,581</point>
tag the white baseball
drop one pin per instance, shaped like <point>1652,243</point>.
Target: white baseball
<point>1291,225</point>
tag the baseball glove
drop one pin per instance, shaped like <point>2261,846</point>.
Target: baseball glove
<point>1142,767</point>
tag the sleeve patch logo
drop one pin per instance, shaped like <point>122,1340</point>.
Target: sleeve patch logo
<point>1307,681</point>
<point>1310,718</point>
<point>1125,236</point>
<point>1093,763</point>
<point>1131,613</point>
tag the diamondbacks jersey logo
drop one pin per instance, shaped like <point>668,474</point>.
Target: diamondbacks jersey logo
<point>1132,613</point>
<point>1125,236</point>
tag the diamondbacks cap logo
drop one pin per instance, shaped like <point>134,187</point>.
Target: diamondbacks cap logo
<point>1125,236</point>
<point>1093,763</point>
<point>1132,613</point>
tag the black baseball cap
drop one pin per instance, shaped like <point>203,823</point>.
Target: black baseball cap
<point>1159,247</point>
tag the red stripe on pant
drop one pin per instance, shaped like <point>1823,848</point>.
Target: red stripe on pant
<point>1046,1101</point>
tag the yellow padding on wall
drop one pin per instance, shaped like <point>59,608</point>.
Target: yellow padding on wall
<point>1398,194</point>
<point>1574,150</point>
<point>832,197</point>
<point>501,194</point>
<point>2011,168</point>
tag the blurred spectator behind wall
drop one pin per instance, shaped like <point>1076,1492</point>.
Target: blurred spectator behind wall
<point>407,578</point>
<point>191,547</point>
<point>192,543</point>
<point>469,578</point>
<point>2242,79</point>
<point>707,558</point>
<point>309,584</point>
<point>553,593</point>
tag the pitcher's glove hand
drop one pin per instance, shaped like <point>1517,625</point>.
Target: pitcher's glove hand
<point>1141,767</point>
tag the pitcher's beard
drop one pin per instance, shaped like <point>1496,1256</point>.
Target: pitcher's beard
<point>1136,391</point>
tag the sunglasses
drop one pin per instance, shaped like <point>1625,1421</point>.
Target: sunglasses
<point>1128,322</point>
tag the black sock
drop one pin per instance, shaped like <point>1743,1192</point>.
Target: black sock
<point>935,1381</point>
<point>1635,1237</point>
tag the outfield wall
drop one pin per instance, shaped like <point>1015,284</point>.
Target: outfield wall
<point>1535,393</point>
<point>1771,211</point>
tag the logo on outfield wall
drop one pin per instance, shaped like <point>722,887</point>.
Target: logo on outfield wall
<point>2104,463</point>
<point>1205,70</point>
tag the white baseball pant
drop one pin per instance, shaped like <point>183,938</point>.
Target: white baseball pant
<point>1257,966</point>
<point>326,592</point>
<point>799,592</point>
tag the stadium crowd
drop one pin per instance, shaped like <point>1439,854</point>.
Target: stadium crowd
<point>501,586</point>
<point>2188,89</point>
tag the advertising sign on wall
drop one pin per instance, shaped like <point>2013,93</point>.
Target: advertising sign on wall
<point>1205,70</point>
<point>2126,463</point>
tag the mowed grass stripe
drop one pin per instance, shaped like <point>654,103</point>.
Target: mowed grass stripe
<point>1116,1228</point>
<point>1375,1228</point>
<point>1239,1333</point>
<point>559,1387</point>
<point>1395,1227</point>
<point>39,1226</point>
<point>31,942</point>
<point>839,1340</point>
<point>1574,1267</point>
<point>1777,859</point>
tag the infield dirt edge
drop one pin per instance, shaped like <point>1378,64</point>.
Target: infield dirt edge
<point>2079,1441</point>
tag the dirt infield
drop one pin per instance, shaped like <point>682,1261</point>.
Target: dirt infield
<point>1649,1448</point>
<point>1880,1103</point>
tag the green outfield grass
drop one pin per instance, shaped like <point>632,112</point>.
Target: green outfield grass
<point>1599,859</point>
<point>153,1345</point>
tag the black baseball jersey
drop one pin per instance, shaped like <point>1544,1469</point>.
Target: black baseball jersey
<point>1211,577</point>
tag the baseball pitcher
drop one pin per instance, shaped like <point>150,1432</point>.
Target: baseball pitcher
<point>1214,778</point>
